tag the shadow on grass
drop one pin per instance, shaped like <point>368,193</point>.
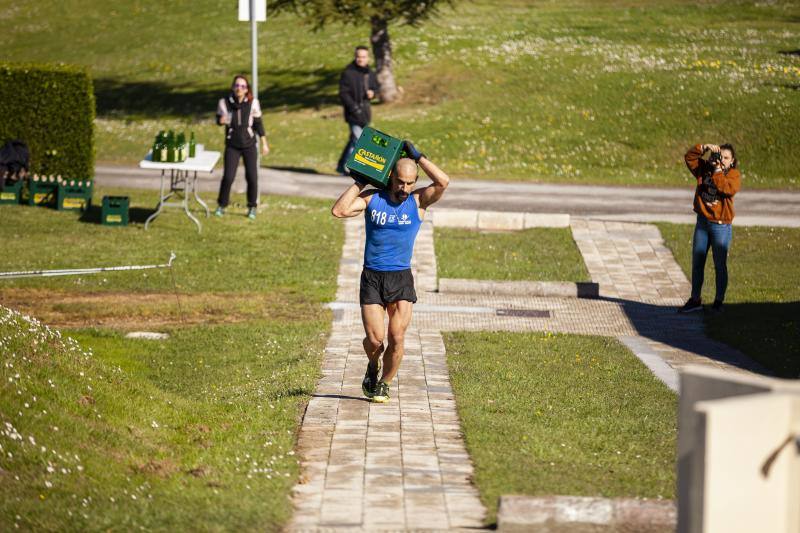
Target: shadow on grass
<point>760,337</point>
<point>768,332</point>
<point>136,215</point>
<point>285,89</point>
<point>789,52</point>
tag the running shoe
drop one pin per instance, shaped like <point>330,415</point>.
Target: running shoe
<point>381,392</point>
<point>370,382</point>
<point>691,306</point>
<point>220,211</point>
<point>251,213</point>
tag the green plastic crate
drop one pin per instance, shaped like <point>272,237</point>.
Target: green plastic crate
<point>10,192</point>
<point>115,211</point>
<point>374,157</point>
<point>74,195</point>
<point>41,190</point>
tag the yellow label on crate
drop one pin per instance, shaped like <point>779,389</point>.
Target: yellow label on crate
<point>114,218</point>
<point>41,197</point>
<point>74,203</point>
<point>8,196</point>
<point>368,158</point>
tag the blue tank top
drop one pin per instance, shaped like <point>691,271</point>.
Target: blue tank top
<point>391,232</point>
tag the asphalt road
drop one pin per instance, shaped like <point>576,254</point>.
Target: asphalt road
<point>643,204</point>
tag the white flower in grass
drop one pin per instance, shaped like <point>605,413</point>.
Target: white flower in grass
<point>154,424</point>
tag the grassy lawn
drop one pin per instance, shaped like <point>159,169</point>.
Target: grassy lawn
<point>762,304</point>
<point>536,254</point>
<point>547,414</point>
<point>108,433</point>
<point>578,91</point>
<point>283,257</point>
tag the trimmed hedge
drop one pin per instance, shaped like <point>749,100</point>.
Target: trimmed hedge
<point>51,109</point>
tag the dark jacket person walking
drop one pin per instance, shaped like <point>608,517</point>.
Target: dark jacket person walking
<point>357,86</point>
<point>240,113</point>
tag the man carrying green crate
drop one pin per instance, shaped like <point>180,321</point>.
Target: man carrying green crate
<point>393,217</point>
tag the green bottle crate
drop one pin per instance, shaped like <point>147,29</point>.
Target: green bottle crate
<point>41,190</point>
<point>10,192</point>
<point>374,157</point>
<point>115,211</point>
<point>74,195</point>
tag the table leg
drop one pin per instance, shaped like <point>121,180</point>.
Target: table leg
<point>187,185</point>
<point>196,197</point>
<point>161,200</point>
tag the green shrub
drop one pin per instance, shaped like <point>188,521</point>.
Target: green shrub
<point>51,109</point>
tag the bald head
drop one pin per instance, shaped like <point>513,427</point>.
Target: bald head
<point>404,176</point>
<point>406,168</point>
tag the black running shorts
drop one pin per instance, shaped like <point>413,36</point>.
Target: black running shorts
<point>383,288</point>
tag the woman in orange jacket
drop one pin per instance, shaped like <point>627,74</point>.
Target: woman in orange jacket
<point>718,180</point>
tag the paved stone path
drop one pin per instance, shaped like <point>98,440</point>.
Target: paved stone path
<point>630,261</point>
<point>404,465</point>
<point>634,268</point>
<point>401,465</point>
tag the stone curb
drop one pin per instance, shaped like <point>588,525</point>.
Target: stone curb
<point>584,514</point>
<point>647,355</point>
<point>496,220</point>
<point>557,289</point>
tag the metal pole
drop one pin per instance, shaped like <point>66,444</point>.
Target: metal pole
<point>82,271</point>
<point>254,46</point>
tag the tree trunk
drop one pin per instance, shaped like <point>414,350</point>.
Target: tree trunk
<point>382,50</point>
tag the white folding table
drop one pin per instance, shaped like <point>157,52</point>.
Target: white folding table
<point>182,181</point>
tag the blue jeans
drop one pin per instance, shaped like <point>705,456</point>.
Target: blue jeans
<point>718,237</point>
<point>355,133</point>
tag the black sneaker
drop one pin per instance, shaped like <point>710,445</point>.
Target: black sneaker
<point>370,382</point>
<point>691,306</point>
<point>716,306</point>
<point>381,392</point>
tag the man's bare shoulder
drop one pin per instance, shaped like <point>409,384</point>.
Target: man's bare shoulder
<point>367,194</point>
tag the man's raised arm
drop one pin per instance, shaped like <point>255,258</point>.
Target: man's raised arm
<point>430,194</point>
<point>352,202</point>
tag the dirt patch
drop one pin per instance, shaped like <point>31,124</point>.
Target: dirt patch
<point>160,468</point>
<point>86,400</point>
<point>431,87</point>
<point>200,471</point>
<point>135,310</point>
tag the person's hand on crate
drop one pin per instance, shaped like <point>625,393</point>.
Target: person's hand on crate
<point>412,152</point>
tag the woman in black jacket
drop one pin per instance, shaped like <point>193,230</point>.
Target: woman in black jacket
<point>240,113</point>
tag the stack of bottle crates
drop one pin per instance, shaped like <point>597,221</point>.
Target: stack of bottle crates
<point>55,191</point>
<point>10,189</point>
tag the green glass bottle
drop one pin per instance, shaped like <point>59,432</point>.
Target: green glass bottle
<point>155,155</point>
<point>158,155</point>
<point>192,146</point>
<point>162,149</point>
<point>180,147</point>
<point>171,146</point>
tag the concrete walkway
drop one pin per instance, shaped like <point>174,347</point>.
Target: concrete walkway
<point>767,208</point>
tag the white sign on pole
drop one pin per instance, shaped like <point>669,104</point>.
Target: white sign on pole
<point>261,10</point>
